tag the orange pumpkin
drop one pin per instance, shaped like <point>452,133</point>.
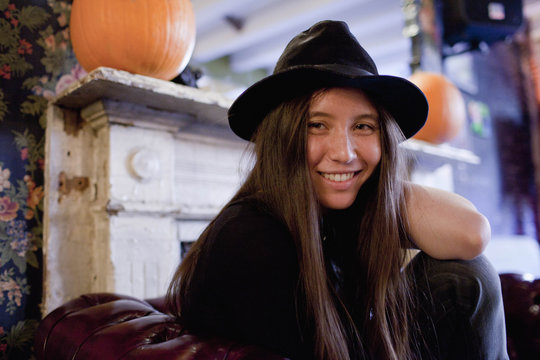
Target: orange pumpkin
<point>147,37</point>
<point>447,113</point>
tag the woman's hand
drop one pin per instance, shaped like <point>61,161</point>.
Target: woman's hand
<point>445,225</point>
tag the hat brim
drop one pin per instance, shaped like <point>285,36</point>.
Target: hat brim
<point>400,97</point>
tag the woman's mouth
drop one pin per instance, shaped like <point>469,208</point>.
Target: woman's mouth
<point>339,177</point>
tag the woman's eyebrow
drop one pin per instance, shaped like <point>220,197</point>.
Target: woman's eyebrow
<point>372,116</point>
<point>319,113</point>
<point>368,115</point>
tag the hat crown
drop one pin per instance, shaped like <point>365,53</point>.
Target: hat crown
<point>327,42</point>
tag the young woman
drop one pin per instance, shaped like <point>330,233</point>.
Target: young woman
<point>309,257</point>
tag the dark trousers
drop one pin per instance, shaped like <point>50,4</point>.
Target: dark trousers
<point>460,309</point>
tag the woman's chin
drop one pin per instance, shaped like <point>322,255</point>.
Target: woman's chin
<point>337,202</point>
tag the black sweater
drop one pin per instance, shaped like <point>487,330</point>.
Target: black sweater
<point>245,284</point>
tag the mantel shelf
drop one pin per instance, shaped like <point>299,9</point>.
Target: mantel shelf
<point>156,94</point>
<point>443,151</point>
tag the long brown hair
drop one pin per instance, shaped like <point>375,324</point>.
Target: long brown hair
<point>281,180</point>
<point>381,287</point>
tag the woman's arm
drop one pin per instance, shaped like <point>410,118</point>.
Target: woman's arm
<point>445,225</point>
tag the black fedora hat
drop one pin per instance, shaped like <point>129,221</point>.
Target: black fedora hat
<point>327,55</point>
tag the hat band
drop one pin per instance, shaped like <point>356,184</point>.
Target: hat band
<point>340,69</point>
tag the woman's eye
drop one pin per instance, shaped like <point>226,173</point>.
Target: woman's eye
<point>365,128</point>
<point>315,125</point>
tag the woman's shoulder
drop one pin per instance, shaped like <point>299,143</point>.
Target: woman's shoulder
<point>248,215</point>
<point>246,225</point>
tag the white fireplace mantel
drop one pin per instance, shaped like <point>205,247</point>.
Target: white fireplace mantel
<point>134,167</point>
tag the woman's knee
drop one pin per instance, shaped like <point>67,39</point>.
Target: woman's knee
<point>470,284</point>
<point>462,302</point>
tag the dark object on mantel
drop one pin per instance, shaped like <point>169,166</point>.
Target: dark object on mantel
<point>110,326</point>
<point>188,77</point>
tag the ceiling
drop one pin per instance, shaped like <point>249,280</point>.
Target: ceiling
<point>266,26</point>
<point>253,33</point>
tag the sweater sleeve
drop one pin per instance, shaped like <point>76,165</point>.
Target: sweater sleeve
<point>248,289</point>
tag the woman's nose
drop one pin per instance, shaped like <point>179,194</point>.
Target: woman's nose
<point>342,147</point>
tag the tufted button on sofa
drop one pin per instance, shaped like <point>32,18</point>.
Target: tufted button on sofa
<point>109,326</point>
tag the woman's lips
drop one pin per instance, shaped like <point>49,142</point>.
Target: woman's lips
<point>339,179</point>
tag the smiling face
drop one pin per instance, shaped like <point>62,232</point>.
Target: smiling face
<point>343,145</point>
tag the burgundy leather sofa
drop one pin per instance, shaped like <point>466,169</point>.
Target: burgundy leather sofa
<point>110,326</point>
<point>521,297</point>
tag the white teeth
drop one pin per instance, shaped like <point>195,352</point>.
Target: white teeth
<point>338,177</point>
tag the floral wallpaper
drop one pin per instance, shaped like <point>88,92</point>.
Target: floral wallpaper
<point>36,62</point>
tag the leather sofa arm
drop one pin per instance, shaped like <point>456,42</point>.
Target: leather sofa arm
<point>521,297</point>
<point>109,326</point>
